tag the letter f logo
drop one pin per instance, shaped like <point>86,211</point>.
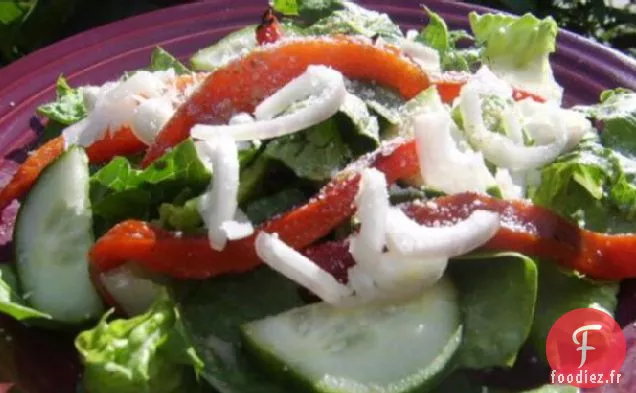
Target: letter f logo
<point>583,344</point>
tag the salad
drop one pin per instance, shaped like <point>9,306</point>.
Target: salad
<point>325,203</point>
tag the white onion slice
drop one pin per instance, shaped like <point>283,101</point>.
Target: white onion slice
<point>295,266</point>
<point>132,292</point>
<point>406,237</point>
<point>372,203</point>
<point>500,150</point>
<point>427,58</point>
<point>329,88</point>
<point>442,165</point>
<point>219,203</point>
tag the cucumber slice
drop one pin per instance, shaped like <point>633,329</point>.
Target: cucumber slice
<point>52,237</point>
<point>232,46</point>
<point>228,48</point>
<point>401,347</point>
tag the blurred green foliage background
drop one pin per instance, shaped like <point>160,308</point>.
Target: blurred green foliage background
<point>26,25</point>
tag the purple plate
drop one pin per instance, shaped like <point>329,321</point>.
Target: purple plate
<point>43,361</point>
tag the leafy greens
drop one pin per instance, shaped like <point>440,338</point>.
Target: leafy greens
<point>147,353</point>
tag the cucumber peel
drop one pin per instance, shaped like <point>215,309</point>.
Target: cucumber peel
<point>53,235</point>
<point>398,347</point>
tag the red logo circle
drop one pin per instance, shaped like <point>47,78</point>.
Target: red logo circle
<point>586,348</point>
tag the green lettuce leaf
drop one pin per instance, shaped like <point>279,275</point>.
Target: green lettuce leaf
<point>437,36</point>
<point>11,302</point>
<point>149,353</point>
<point>495,326</point>
<point>561,292</point>
<point>69,106</point>
<point>517,40</point>
<point>119,191</point>
<point>315,153</point>
<point>162,60</point>
<point>595,184</point>
<point>239,299</point>
<point>576,185</point>
<point>183,218</point>
<point>518,49</point>
<point>617,113</point>
<point>308,10</point>
<point>356,20</point>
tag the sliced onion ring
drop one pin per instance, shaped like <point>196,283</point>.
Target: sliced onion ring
<point>408,238</point>
<point>295,266</point>
<point>372,203</point>
<point>497,148</point>
<point>329,88</point>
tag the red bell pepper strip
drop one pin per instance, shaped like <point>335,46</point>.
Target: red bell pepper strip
<point>269,31</point>
<point>189,256</point>
<point>121,142</point>
<point>525,228</point>
<point>244,83</point>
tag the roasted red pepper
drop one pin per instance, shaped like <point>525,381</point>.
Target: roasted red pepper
<point>525,228</point>
<point>269,31</point>
<point>243,84</point>
<point>185,256</point>
<point>122,142</point>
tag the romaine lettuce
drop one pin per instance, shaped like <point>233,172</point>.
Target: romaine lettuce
<point>12,303</point>
<point>68,107</point>
<point>148,353</point>
<point>518,49</point>
<point>437,36</point>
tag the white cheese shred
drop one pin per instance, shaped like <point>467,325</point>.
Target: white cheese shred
<point>295,266</point>
<point>219,204</point>
<point>324,85</point>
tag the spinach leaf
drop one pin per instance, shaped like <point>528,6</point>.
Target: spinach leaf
<point>148,353</point>
<point>495,326</point>
<point>238,299</point>
<point>265,208</point>
<point>384,102</point>
<point>315,153</point>
<point>11,302</point>
<point>361,129</point>
<point>560,292</point>
<point>162,60</point>
<point>69,106</point>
